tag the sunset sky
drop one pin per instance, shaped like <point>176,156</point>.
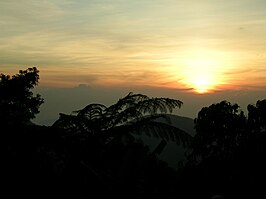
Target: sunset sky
<point>196,46</point>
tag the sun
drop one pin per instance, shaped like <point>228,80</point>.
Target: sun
<point>202,85</point>
<point>202,71</point>
<point>202,81</point>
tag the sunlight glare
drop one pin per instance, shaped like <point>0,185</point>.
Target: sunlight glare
<point>203,71</point>
<point>202,85</point>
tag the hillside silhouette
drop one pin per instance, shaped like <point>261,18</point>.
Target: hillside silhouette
<point>102,151</point>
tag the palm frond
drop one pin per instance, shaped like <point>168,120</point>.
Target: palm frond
<point>152,128</point>
<point>168,133</point>
<point>155,105</point>
<point>135,106</point>
<point>91,111</point>
<point>75,125</point>
<point>134,113</point>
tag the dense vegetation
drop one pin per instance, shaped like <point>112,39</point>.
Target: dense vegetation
<point>94,151</point>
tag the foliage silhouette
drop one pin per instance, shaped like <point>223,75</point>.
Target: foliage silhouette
<point>17,102</point>
<point>220,129</point>
<point>135,113</point>
<point>229,151</point>
<point>121,162</point>
<point>257,116</point>
<point>94,152</point>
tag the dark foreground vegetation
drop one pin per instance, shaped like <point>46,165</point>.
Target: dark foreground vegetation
<point>95,153</point>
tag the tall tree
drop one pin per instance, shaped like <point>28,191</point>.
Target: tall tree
<point>17,101</point>
<point>220,129</point>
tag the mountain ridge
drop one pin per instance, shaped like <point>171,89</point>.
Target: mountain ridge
<point>174,155</point>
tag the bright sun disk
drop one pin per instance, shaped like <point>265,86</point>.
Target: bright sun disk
<point>202,85</point>
<point>203,70</point>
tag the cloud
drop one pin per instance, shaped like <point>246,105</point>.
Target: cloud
<point>30,10</point>
<point>126,42</point>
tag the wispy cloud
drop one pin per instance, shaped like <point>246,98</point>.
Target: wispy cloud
<point>137,42</point>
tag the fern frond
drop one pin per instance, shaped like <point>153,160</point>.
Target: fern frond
<point>76,125</point>
<point>91,111</point>
<point>134,113</point>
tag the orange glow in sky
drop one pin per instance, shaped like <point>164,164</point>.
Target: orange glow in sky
<point>202,70</point>
<point>203,73</point>
<point>200,45</point>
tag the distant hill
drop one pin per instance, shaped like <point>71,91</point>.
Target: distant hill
<point>184,123</point>
<point>172,153</point>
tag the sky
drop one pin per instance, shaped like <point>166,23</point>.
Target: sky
<point>198,51</point>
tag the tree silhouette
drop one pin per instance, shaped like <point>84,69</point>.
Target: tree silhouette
<point>135,113</point>
<point>257,116</point>
<point>107,148</point>
<point>17,102</point>
<point>220,129</point>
